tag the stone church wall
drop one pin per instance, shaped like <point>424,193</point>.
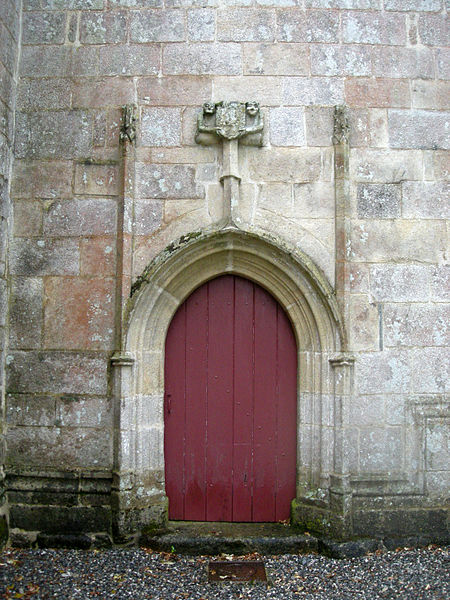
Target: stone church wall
<point>9,53</point>
<point>88,220</point>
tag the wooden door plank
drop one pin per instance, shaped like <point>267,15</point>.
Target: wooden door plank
<point>220,400</point>
<point>174,410</point>
<point>265,409</point>
<point>287,416</point>
<point>243,366</point>
<point>195,418</point>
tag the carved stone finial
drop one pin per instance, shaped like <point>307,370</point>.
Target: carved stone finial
<point>229,121</point>
<point>129,120</point>
<point>341,125</point>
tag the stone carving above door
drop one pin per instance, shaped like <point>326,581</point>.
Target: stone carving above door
<point>229,121</point>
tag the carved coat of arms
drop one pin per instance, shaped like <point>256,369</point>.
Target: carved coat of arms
<point>229,121</point>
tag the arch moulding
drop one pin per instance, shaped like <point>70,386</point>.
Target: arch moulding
<point>308,299</point>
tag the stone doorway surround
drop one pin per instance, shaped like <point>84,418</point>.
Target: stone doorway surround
<point>139,498</point>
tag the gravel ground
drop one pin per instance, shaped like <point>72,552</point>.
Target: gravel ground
<point>141,573</point>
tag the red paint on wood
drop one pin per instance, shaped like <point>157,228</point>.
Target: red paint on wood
<point>230,435</point>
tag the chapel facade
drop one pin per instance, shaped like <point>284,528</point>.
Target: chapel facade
<point>224,273</point>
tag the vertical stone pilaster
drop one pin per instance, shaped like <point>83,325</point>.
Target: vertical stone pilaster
<point>124,452</point>
<point>125,218</point>
<point>340,489</point>
<point>342,214</point>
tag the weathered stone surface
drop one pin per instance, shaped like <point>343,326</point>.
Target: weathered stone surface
<point>264,89</point>
<point>98,256</point>
<point>313,26</point>
<point>440,282</point>
<point>418,129</point>
<point>61,519</point>
<point>380,93</point>
<point>431,370</point>
<point>26,299</point>
<point>96,179</point>
<point>332,60</point>
<point>314,200</point>
<point>201,24</point>
<point>27,218</point>
<point>45,61</point>
<point>62,134</point>
<point>384,372</point>
<point>132,59</point>
<point>364,324</point>
<point>85,61</point>
<point>286,165</point>
<point>368,127</point>
<point>39,179</point>
<point>398,240</point>
<point>56,373</point>
<point>157,26</point>
<point>400,283</point>
<point>202,59</point>
<point>423,200</point>
<point>319,122</point>
<point>373,28</point>
<point>433,30</point>
<point>287,126</point>
<point>107,91</point>
<point>167,181</point>
<point>245,25</point>
<point>419,5</point>
<point>416,325</point>
<point>170,90</point>
<point>78,313</point>
<point>303,90</point>
<point>395,61</point>
<point>443,63</point>
<point>275,59</point>
<point>43,27</point>
<point>381,450</point>
<point>385,166</point>
<point>89,216</point>
<point>148,216</point>
<point>161,127</point>
<point>30,410</point>
<point>103,27</point>
<point>378,201</point>
<point>37,257</point>
<point>72,411</point>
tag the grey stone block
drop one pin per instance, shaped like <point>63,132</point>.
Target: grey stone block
<point>298,91</point>
<point>61,134</point>
<point>378,201</point>
<point>416,325</point>
<point>287,126</point>
<point>167,181</point>
<point>57,373</point>
<point>45,61</point>
<point>201,24</point>
<point>157,26</point>
<point>202,59</point>
<point>44,257</point>
<point>60,519</point>
<point>26,313</point>
<point>43,94</point>
<point>43,27</point>
<point>433,30</point>
<point>73,411</point>
<point>313,26</point>
<point>245,25</point>
<point>426,200</point>
<point>130,59</point>
<point>90,216</point>
<point>161,127</point>
<point>103,27</point>
<point>148,216</point>
<point>373,28</point>
<point>400,283</point>
<point>31,410</point>
<point>383,372</point>
<point>333,60</point>
<point>418,129</point>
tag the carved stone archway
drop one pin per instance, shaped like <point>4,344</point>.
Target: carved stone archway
<point>301,289</point>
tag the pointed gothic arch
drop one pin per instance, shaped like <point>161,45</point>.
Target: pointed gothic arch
<point>307,298</point>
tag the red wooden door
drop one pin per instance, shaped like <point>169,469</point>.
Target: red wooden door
<point>230,405</point>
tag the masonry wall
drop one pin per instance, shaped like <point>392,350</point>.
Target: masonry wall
<point>81,60</point>
<point>9,53</point>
